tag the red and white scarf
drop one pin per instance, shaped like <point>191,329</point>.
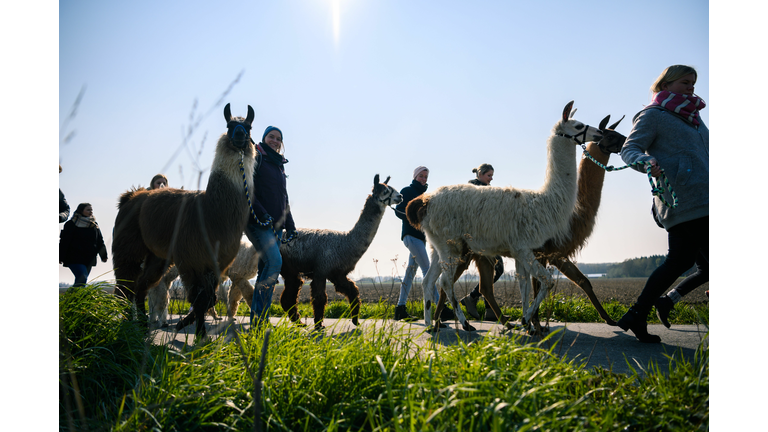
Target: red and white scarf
<point>687,106</point>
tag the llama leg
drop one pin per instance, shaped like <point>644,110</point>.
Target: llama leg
<point>446,285</point>
<point>524,280</point>
<point>485,267</point>
<point>126,274</point>
<point>289,299</point>
<point>572,272</point>
<point>204,299</point>
<point>345,286</point>
<point>235,294</point>
<point>540,272</point>
<point>429,280</point>
<point>154,269</point>
<point>319,299</point>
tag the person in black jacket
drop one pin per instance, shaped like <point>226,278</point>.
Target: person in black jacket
<point>79,242</point>
<point>415,241</point>
<point>272,214</point>
<point>483,177</point>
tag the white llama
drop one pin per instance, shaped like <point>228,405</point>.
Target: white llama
<point>514,221</point>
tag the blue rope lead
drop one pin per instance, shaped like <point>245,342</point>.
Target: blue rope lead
<point>656,188</point>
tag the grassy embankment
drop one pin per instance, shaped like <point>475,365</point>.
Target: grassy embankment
<point>113,378</point>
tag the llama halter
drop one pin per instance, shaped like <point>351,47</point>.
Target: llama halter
<point>582,134</point>
<point>656,188</point>
<point>269,222</point>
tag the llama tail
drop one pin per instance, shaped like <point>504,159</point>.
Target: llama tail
<point>416,210</point>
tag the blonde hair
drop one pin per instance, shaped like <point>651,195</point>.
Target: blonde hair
<point>673,73</point>
<point>482,169</point>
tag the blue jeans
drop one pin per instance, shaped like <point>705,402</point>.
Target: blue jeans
<point>417,256</point>
<point>81,272</point>
<point>267,243</point>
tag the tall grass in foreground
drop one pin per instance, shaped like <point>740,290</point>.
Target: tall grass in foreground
<point>377,380</point>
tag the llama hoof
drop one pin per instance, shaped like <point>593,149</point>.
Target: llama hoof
<point>468,327</point>
<point>434,329</point>
<point>355,321</point>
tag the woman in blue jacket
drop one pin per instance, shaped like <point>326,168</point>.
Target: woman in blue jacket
<point>669,135</point>
<point>270,205</point>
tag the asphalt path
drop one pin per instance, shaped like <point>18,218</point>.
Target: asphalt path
<point>588,344</point>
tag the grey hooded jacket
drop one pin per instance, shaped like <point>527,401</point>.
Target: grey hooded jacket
<point>682,150</point>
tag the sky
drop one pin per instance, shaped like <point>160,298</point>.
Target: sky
<point>361,88</point>
<point>370,87</point>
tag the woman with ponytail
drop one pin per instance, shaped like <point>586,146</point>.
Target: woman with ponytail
<point>670,136</point>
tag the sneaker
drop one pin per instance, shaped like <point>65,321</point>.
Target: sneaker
<point>664,306</point>
<point>447,314</point>
<point>402,314</point>
<point>471,305</point>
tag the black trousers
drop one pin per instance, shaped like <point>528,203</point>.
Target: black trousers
<point>688,245</point>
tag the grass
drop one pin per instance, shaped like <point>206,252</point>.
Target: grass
<point>374,381</point>
<point>557,307</point>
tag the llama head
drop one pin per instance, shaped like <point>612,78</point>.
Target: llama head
<point>384,193</point>
<point>573,129</point>
<point>612,141</point>
<point>238,128</point>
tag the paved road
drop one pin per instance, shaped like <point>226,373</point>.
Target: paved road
<point>596,344</point>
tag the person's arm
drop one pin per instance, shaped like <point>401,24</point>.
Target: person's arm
<point>103,247</point>
<point>63,208</point>
<point>407,194</point>
<point>640,138</point>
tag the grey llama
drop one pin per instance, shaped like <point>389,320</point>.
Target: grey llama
<point>320,255</point>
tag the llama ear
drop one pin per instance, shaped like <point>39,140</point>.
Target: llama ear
<point>375,180</point>
<point>567,110</point>
<point>227,114</point>
<point>604,122</point>
<point>387,180</point>
<point>251,115</point>
<point>613,126</point>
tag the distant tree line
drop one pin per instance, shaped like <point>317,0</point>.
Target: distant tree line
<point>635,267</point>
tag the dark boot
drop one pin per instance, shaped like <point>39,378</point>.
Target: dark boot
<point>402,314</point>
<point>664,305</point>
<point>637,321</point>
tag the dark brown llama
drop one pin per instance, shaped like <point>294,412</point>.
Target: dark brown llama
<point>199,231</point>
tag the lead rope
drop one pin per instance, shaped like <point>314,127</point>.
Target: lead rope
<point>270,221</point>
<point>656,188</point>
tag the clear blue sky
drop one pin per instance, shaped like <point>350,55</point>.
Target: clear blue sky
<point>360,88</point>
<point>365,87</point>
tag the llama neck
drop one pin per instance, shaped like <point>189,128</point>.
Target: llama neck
<point>362,234</point>
<point>560,182</point>
<point>226,188</point>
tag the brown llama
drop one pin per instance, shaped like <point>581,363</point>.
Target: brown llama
<point>199,231</point>
<point>590,185</point>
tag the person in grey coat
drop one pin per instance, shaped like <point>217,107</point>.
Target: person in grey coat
<point>670,136</point>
